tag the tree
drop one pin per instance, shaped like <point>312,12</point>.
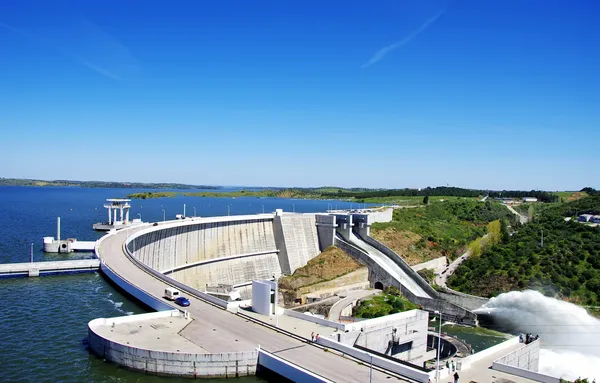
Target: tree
<point>425,200</point>
<point>494,229</point>
<point>505,235</point>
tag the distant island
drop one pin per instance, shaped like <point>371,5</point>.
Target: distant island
<point>101,184</point>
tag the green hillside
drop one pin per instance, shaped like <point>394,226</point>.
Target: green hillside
<point>567,266</point>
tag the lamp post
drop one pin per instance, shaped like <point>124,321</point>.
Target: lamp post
<point>263,206</point>
<point>31,252</point>
<point>294,207</point>
<point>140,215</point>
<point>371,369</point>
<point>164,215</point>
<point>228,206</point>
<point>437,364</point>
<point>194,211</point>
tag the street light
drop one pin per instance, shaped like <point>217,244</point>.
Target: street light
<point>437,364</point>
<point>371,369</point>
<point>194,211</point>
<point>164,215</point>
<point>228,206</point>
<point>140,215</point>
<point>263,206</point>
<point>294,208</point>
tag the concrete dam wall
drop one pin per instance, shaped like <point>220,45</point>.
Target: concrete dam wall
<point>228,250</point>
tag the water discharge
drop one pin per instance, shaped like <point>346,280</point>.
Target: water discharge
<point>570,336</point>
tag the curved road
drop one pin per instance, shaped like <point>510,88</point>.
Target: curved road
<point>217,330</point>
<point>336,310</point>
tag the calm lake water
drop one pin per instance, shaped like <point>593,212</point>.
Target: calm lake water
<point>44,320</point>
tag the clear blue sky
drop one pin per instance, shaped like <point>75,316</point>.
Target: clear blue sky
<point>482,94</point>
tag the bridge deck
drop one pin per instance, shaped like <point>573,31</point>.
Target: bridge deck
<point>217,330</point>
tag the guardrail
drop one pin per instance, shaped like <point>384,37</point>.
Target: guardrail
<point>375,360</point>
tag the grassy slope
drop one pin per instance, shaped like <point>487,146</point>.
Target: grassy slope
<point>330,264</point>
<point>567,266</point>
<point>442,228</point>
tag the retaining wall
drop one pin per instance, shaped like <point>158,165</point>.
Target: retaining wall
<point>169,363</point>
<point>526,357</point>
<point>466,362</point>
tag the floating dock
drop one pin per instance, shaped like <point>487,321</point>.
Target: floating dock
<point>35,269</point>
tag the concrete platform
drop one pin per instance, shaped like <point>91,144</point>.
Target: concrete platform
<point>160,334</point>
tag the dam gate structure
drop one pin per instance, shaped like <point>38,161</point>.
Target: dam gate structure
<point>234,251</point>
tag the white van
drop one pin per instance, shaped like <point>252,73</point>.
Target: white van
<point>171,293</point>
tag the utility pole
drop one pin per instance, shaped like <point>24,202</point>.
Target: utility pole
<point>542,237</point>
<point>437,364</point>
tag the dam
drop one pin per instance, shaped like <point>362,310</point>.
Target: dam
<point>214,262</point>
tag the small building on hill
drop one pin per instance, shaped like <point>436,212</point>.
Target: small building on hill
<point>530,199</point>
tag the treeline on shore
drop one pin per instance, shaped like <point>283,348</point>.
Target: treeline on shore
<point>449,191</point>
<point>360,195</point>
<point>101,184</point>
<point>555,256</point>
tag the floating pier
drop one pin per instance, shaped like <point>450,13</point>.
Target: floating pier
<point>56,245</point>
<point>35,269</point>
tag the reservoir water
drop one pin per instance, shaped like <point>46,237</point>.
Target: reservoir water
<point>44,320</point>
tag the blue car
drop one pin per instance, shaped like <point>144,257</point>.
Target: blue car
<point>182,301</point>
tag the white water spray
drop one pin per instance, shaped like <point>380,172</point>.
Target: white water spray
<point>570,337</point>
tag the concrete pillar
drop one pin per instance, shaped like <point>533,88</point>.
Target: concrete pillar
<point>127,215</point>
<point>58,228</point>
<point>109,216</point>
<point>121,212</point>
<point>115,215</point>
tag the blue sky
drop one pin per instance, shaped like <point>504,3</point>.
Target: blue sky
<point>481,94</point>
